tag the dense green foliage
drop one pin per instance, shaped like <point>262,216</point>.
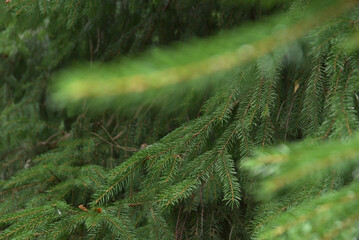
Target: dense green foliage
<point>215,119</point>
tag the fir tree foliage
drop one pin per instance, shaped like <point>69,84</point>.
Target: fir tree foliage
<point>183,152</point>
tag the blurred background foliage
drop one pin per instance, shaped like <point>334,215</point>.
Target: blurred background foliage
<point>156,119</point>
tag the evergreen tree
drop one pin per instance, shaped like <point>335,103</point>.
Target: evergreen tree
<point>214,119</point>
